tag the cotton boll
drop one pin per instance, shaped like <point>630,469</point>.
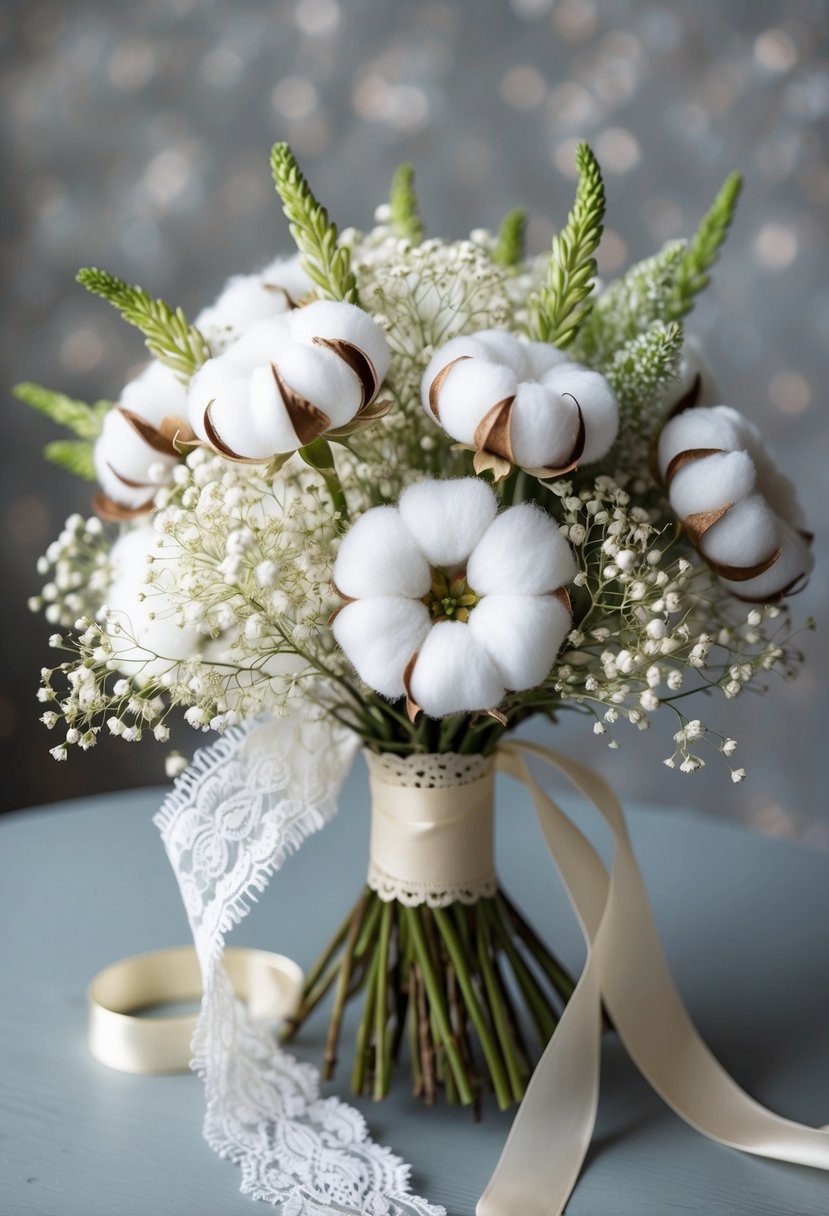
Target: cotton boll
<point>209,382</point>
<point>541,357</point>
<point>288,274</point>
<point>776,487</point>
<point>122,455</point>
<point>264,417</point>
<point>714,427</point>
<point>338,321</point>
<point>454,673</point>
<point>521,553</point>
<point>706,484</point>
<point>543,427</point>
<point>598,404</point>
<point>469,391</point>
<point>456,348</point>
<point>379,635</point>
<point>796,560</point>
<point>155,394</point>
<point>379,557</point>
<point>505,348</point>
<point>263,342</point>
<point>521,634</point>
<point>748,533</point>
<point>448,518</point>
<point>148,626</point>
<point>323,379</point>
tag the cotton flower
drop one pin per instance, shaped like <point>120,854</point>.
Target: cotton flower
<point>247,298</point>
<point>288,380</point>
<point>449,603</point>
<point>519,403</point>
<point>135,451</point>
<point>740,511</point>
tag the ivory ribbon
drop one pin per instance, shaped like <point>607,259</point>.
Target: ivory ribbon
<point>270,984</point>
<point>430,844</point>
<point>626,969</point>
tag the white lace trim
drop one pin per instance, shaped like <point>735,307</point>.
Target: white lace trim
<point>413,894</point>
<point>233,818</point>
<point>432,770</point>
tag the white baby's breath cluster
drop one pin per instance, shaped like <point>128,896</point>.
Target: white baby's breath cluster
<point>213,589</point>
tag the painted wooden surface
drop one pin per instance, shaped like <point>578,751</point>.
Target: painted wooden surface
<point>745,923</point>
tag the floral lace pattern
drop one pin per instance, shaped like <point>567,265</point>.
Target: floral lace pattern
<point>232,819</point>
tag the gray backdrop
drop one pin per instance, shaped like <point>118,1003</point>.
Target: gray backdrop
<point>137,137</point>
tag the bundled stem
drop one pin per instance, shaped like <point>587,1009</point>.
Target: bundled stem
<point>454,983</point>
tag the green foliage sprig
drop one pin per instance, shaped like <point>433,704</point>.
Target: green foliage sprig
<point>81,419</point>
<point>561,306</point>
<point>509,244</point>
<point>639,373</point>
<point>703,250</point>
<point>405,210</point>
<point>167,333</point>
<point>327,262</point>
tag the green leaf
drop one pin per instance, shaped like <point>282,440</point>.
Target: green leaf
<point>561,306</point>
<point>74,455</point>
<point>167,333</point>
<point>704,249</point>
<point>405,212</point>
<point>326,262</point>
<point>639,374</point>
<point>509,244</point>
<point>83,420</point>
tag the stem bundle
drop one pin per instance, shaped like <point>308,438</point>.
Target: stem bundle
<point>458,984</point>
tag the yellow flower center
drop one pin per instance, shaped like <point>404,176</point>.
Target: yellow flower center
<point>449,598</point>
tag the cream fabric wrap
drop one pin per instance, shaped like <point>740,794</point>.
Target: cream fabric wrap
<point>431,828</point>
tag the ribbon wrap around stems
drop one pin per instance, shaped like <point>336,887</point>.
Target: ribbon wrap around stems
<point>431,828</point>
<point>231,822</point>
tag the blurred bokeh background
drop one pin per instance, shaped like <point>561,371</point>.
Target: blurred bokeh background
<point>136,138</point>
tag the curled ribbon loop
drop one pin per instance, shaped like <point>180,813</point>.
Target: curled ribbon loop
<point>626,969</point>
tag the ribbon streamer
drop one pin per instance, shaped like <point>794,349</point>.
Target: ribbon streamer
<point>625,968</point>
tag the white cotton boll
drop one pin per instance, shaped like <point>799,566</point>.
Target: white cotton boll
<point>776,487</point>
<point>267,418</point>
<point>155,394</point>
<point>148,625</point>
<point>521,634</point>
<point>704,485</point>
<point>713,427</point>
<point>505,348</point>
<point>599,406</point>
<point>521,553</point>
<point>541,357</point>
<point>543,427</point>
<point>448,518</point>
<point>380,635</point>
<point>322,378</point>
<point>262,343</point>
<point>469,391</point>
<point>456,348</point>
<point>379,557</point>
<point>796,560</point>
<point>120,454</point>
<point>337,320</point>
<point>749,532</point>
<point>212,378</point>
<point>454,673</point>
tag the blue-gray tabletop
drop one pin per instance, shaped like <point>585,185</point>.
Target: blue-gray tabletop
<point>745,922</point>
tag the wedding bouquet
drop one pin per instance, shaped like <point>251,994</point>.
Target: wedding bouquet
<point>417,492</point>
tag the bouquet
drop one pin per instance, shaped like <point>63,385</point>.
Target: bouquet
<point>416,493</point>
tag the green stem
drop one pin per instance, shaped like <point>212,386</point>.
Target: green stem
<point>363,1040</point>
<point>502,1028</point>
<point>563,983</point>
<point>435,994</point>
<point>381,1077</point>
<point>476,1013</point>
<point>332,1039</point>
<point>537,1003</point>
